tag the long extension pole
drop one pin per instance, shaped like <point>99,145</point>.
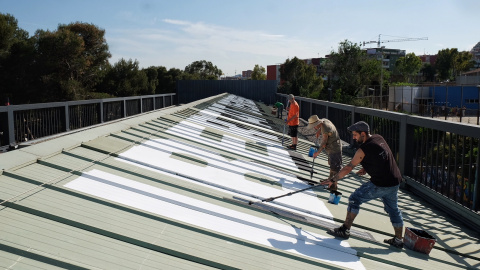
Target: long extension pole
<point>288,194</point>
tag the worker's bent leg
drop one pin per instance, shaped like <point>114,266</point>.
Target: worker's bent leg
<point>364,193</point>
<point>390,202</point>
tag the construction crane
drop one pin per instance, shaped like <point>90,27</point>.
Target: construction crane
<point>392,40</point>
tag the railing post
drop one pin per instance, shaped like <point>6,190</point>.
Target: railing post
<point>402,148</point>
<point>11,126</point>
<point>124,108</point>
<point>67,118</point>
<point>101,111</point>
<point>141,104</point>
<point>476,188</point>
<point>311,108</point>
<point>153,103</point>
<point>353,121</point>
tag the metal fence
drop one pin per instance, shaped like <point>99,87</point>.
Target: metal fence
<point>443,156</point>
<point>257,90</point>
<point>21,123</point>
<point>453,103</point>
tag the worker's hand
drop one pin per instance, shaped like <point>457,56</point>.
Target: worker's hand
<point>316,154</point>
<point>361,172</point>
<point>326,182</point>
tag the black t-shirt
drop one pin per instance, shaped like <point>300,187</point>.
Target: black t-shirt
<point>379,162</point>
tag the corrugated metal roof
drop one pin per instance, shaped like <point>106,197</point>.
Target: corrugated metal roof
<point>170,190</point>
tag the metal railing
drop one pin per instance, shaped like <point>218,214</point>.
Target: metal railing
<point>453,103</point>
<point>441,155</point>
<point>21,123</point>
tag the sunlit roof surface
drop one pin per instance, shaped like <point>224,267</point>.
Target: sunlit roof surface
<point>182,188</point>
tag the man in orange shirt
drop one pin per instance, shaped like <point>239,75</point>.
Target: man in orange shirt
<point>293,120</point>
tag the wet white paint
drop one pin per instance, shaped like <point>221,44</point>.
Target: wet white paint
<point>213,217</point>
<point>229,177</point>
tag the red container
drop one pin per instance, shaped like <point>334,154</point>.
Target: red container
<point>418,240</point>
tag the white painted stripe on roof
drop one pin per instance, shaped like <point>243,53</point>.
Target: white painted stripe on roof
<point>216,218</point>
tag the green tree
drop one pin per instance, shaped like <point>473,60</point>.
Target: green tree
<point>152,77</point>
<point>408,66</point>
<point>70,61</point>
<point>428,72</point>
<point>58,61</point>
<point>95,53</point>
<point>167,80</point>
<point>451,62</point>
<point>17,53</point>
<point>124,79</point>
<point>10,33</point>
<point>351,70</point>
<point>444,63</point>
<point>463,62</point>
<point>202,70</point>
<point>300,79</point>
<point>259,73</point>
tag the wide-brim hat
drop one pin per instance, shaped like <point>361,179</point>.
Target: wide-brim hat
<point>313,121</point>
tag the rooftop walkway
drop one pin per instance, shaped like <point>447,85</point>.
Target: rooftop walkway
<point>181,188</point>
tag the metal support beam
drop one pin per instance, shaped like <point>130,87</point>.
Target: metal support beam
<point>11,127</point>
<point>67,118</point>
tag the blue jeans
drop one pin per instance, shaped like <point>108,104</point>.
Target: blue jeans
<point>369,191</point>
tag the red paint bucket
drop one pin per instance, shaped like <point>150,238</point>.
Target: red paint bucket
<point>418,240</point>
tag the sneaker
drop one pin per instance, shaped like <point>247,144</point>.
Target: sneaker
<point>398,243</point>
<point>341,231</point>
<point>292,147</point>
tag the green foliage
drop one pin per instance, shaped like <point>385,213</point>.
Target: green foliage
<point>167,79</point>
<point>402,84</point>
<point>152,77</point>
<point>124,79</point>
<point>428,72</point>
<point>409,66</point>
<point>259,73</point>
<point>444,63</point>
<point>10,33</point>
<point>463,62</point>
<point>202,70</point>
<point>351,69</point>
<point>300,78</point>
<point>65,64</point>
<point>17,54</point>
<point>451,62</point>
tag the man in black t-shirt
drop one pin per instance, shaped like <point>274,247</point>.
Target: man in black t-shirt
<point>377,160</point>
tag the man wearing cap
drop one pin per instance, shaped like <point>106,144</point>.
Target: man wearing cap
<point>330,142</point>
<point>293,120</point>
<point>377,160</point>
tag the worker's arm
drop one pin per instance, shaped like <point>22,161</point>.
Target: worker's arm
<point>357,158</point>
<point>322,146</point>
<point>292,118</point>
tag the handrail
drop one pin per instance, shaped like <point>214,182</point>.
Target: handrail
<point>441,155</point>
<point>20,123</point>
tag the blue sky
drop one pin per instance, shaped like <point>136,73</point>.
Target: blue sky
<point>235,36</point>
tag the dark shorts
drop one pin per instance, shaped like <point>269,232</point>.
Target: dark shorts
<point>293,131</point>
<point>335,161</point>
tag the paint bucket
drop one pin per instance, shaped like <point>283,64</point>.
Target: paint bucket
<point>418,240</point>
<point>312,151</point>
<point>335,197</point>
